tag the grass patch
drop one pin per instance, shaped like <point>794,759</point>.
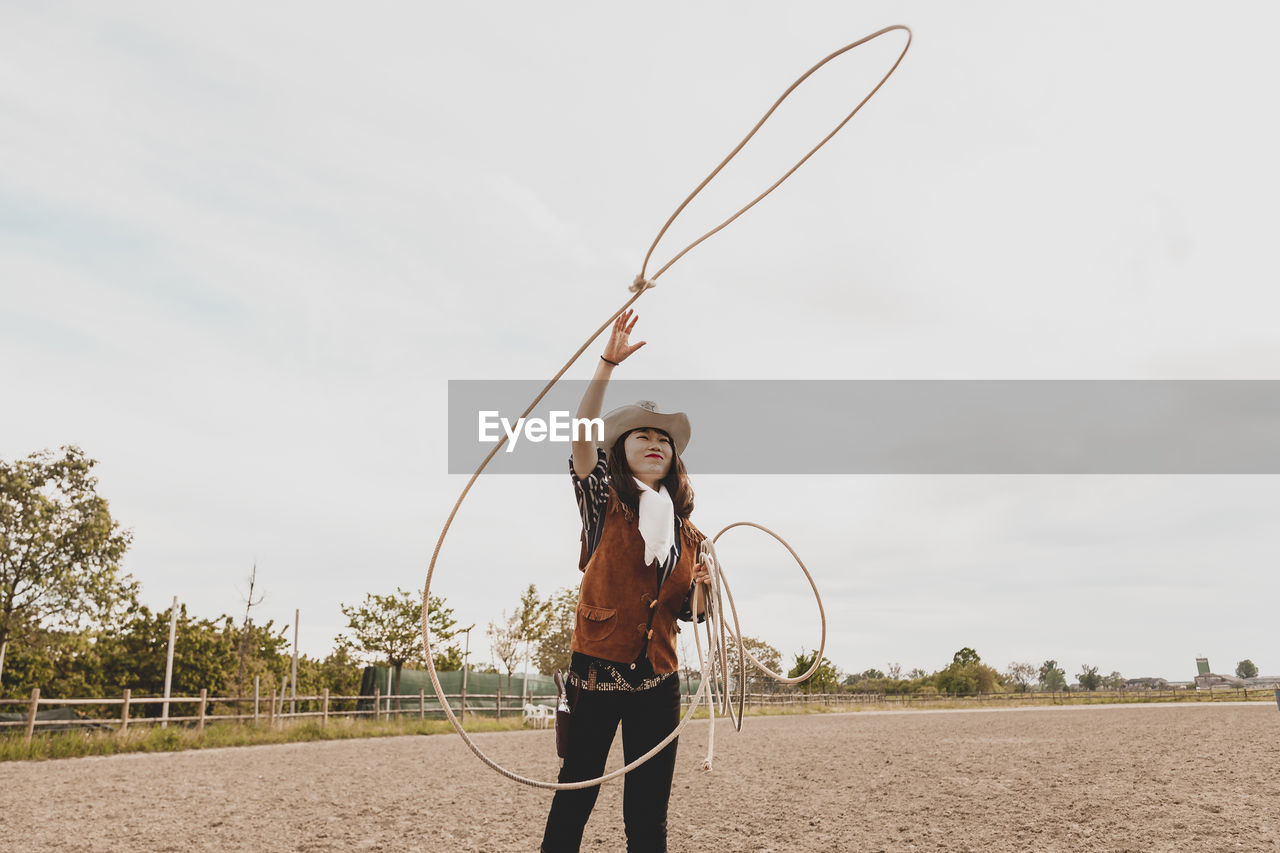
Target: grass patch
<point>152,738</point>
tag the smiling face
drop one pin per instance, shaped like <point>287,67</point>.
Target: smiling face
<point>648,453</point>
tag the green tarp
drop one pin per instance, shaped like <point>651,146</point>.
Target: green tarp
<point>481,688</point>
<point>51,714</point>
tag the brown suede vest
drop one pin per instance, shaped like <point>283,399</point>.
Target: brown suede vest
<point>616,603</point>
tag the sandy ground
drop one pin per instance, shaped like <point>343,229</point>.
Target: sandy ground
<point>1133,778</point>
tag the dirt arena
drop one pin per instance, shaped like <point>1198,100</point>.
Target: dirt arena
<point>1135,778</point>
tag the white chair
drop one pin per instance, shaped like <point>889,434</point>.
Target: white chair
<point>537,713</point>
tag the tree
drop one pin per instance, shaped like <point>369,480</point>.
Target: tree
<point>60,549</point>
<point>534,620</point>
<point>535,615</point>
<point>1052,677</point>
<point>61,663</point>
<point>132,653</point>
<point>1020,673</point>
<point>874,681</point>
<point>205,653</point>
<point>339,672</point>
<point>212,654</point>
<point>1088,677</point>
<point>554,649</point>
<point>1246,669</point>
<point>448,659</point>
<point>249,603</point>
<point>1114,681</point>
<point>504,642</point>
<point>389,627</point>
<point>824,678</point>
<point>688,668</point>
<point>763,652</point>
<point>895,671</point>
<point>967,674</point>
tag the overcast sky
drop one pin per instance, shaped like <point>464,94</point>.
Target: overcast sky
<point>243,248</point>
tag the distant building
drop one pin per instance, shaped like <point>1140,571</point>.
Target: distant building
<point>1206,680</point>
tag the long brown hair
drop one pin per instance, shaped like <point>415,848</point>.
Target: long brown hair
<point>624,483</point>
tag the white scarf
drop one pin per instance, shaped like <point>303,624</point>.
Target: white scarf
<point>657,523</point>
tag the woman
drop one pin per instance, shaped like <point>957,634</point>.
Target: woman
<point>639,563</point>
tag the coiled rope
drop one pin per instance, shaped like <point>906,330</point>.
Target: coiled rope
<point>715,663</point>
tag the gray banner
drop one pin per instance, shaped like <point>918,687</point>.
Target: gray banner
<point>900,427</point>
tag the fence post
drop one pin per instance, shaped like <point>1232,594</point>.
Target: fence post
<point>377,705</point>
<point>168,666</point>
<point>31,713</point>
<point>498,704</point>
<point>271,711</point>
<point>204,700</point>
<point>124,712</point>
<point>422,703</point>
<point>324,710</point>
<point>293,688</point>
<point>283,686</point>
<point>256,698</point>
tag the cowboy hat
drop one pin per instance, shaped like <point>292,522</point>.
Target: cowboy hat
<point>644,413</point>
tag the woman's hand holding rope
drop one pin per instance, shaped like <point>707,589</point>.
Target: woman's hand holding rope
<point>702,575</point>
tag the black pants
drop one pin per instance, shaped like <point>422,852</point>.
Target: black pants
<point>647,716</point>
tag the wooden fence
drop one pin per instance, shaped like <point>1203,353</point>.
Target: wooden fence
<point>1073,697</point>
<point>272,710</point>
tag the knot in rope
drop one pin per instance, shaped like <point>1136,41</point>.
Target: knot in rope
<point>641,283</point>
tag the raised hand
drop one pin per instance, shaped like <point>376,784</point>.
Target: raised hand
<point>619,347</point>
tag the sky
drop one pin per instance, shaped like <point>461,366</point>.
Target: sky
<point>244,248</point>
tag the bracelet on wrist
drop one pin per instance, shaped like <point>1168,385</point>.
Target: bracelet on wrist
<point>607,361</point>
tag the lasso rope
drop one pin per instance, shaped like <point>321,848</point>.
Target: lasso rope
<point>715,663</point>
